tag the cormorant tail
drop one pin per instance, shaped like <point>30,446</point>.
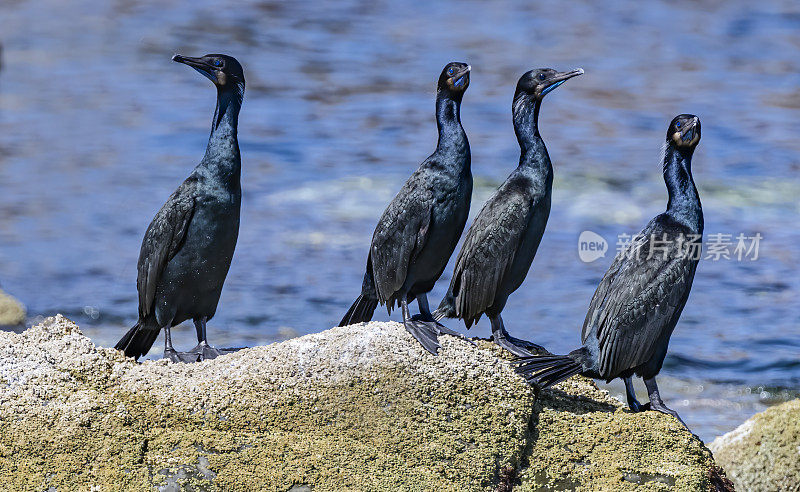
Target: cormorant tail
<point>447,308</point>
<point>547,370</point>
<point>364,307</point>
<point>361,311</point>
<point>138,340</point>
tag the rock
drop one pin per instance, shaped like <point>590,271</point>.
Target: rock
<point>358,407</point>
<point>583,439</point>
<point>764,452</point>
<point>12,312</point>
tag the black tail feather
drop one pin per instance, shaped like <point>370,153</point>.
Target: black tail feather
<point>361,311</point>
<point>547,370</point>
<point>139,339</point>
<point>531,365</point>
<point>364,307</point>
<point>446,309</point>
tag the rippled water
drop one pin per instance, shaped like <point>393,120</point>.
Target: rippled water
<point>97,127</point>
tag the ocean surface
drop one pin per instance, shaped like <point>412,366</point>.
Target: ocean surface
<point>98,126</point>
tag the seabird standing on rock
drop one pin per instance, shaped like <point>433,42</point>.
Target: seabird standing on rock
<point>638,302</point>
<point>420,228</point>
<point>188,247</point>
<point>501,243</point>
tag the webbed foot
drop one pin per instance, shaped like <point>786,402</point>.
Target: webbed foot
<point>204,351</point>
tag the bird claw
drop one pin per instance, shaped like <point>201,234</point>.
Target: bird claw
<point>519,347</point>
<point>175,357</point>
<point>447,331</point>
<point>204,351</point>
<point>425,334</point>
<point>636,407</point>
<point>201,352</point>
<point>529,346</point>
<point>666,410</point>
<point>439,328</point>
<point>514,349</point>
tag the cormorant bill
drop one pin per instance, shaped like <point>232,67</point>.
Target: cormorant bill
<point>638,302</point>
<point>420,228</point>
<point>188,247</point>
<point>502,241</point>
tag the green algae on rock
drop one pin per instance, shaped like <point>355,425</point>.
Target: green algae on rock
<point>764,452</point>
<point>12,312</point>
<point>360,407</point>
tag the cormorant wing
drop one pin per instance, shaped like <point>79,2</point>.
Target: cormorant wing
<point>163,239</point>
<point>489,249</point>
<point>645,287</point>
<point>401,233</point>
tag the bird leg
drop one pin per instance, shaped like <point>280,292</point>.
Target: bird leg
<point>169,351</point>
<point>426,315</point>
<point>656,403</point>
<point>633,403</point>
<point>514,345</point>
<point>424,309</point>
<point>424,331</point>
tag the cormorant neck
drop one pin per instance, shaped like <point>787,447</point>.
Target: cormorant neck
<point>448,121</point>
<point>526,126</point>
<point>222,152</point>
<point>684,202</point>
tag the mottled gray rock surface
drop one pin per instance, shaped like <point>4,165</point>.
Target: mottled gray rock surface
<point>352,408</point>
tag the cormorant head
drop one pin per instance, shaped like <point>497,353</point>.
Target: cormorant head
<point>537,83</point>
<point>684,131</point>
<point>454,78</point>
<point>223,70</point>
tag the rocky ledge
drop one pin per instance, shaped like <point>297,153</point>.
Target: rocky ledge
<point>360,408</point>
<point>764,452</point>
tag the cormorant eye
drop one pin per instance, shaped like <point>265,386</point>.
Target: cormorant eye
<point>677,124</point>
<point>451,71</point>
<point>217,62</point>
<point>541,76</point>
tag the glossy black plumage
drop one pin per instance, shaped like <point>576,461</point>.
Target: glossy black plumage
<point>502,241</point>
<point>420,228</point>
<point>189,245</point>
<point>640,299</point>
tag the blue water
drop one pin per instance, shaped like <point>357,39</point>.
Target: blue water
<point>97,127</point>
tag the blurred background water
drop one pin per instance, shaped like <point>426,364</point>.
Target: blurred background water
<point>97,127</point>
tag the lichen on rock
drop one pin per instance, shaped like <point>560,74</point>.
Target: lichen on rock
<point>764,452</point>
<point>361,407</point>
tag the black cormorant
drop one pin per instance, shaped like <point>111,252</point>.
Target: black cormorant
<point>501,243</point>
<point>638,302</point>
<point>188,247</point>
<point>420,228</point>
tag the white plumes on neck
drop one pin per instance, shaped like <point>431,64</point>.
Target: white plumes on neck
<point>240,91</point>
<point>519,102</point>
<point>663,154</point>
